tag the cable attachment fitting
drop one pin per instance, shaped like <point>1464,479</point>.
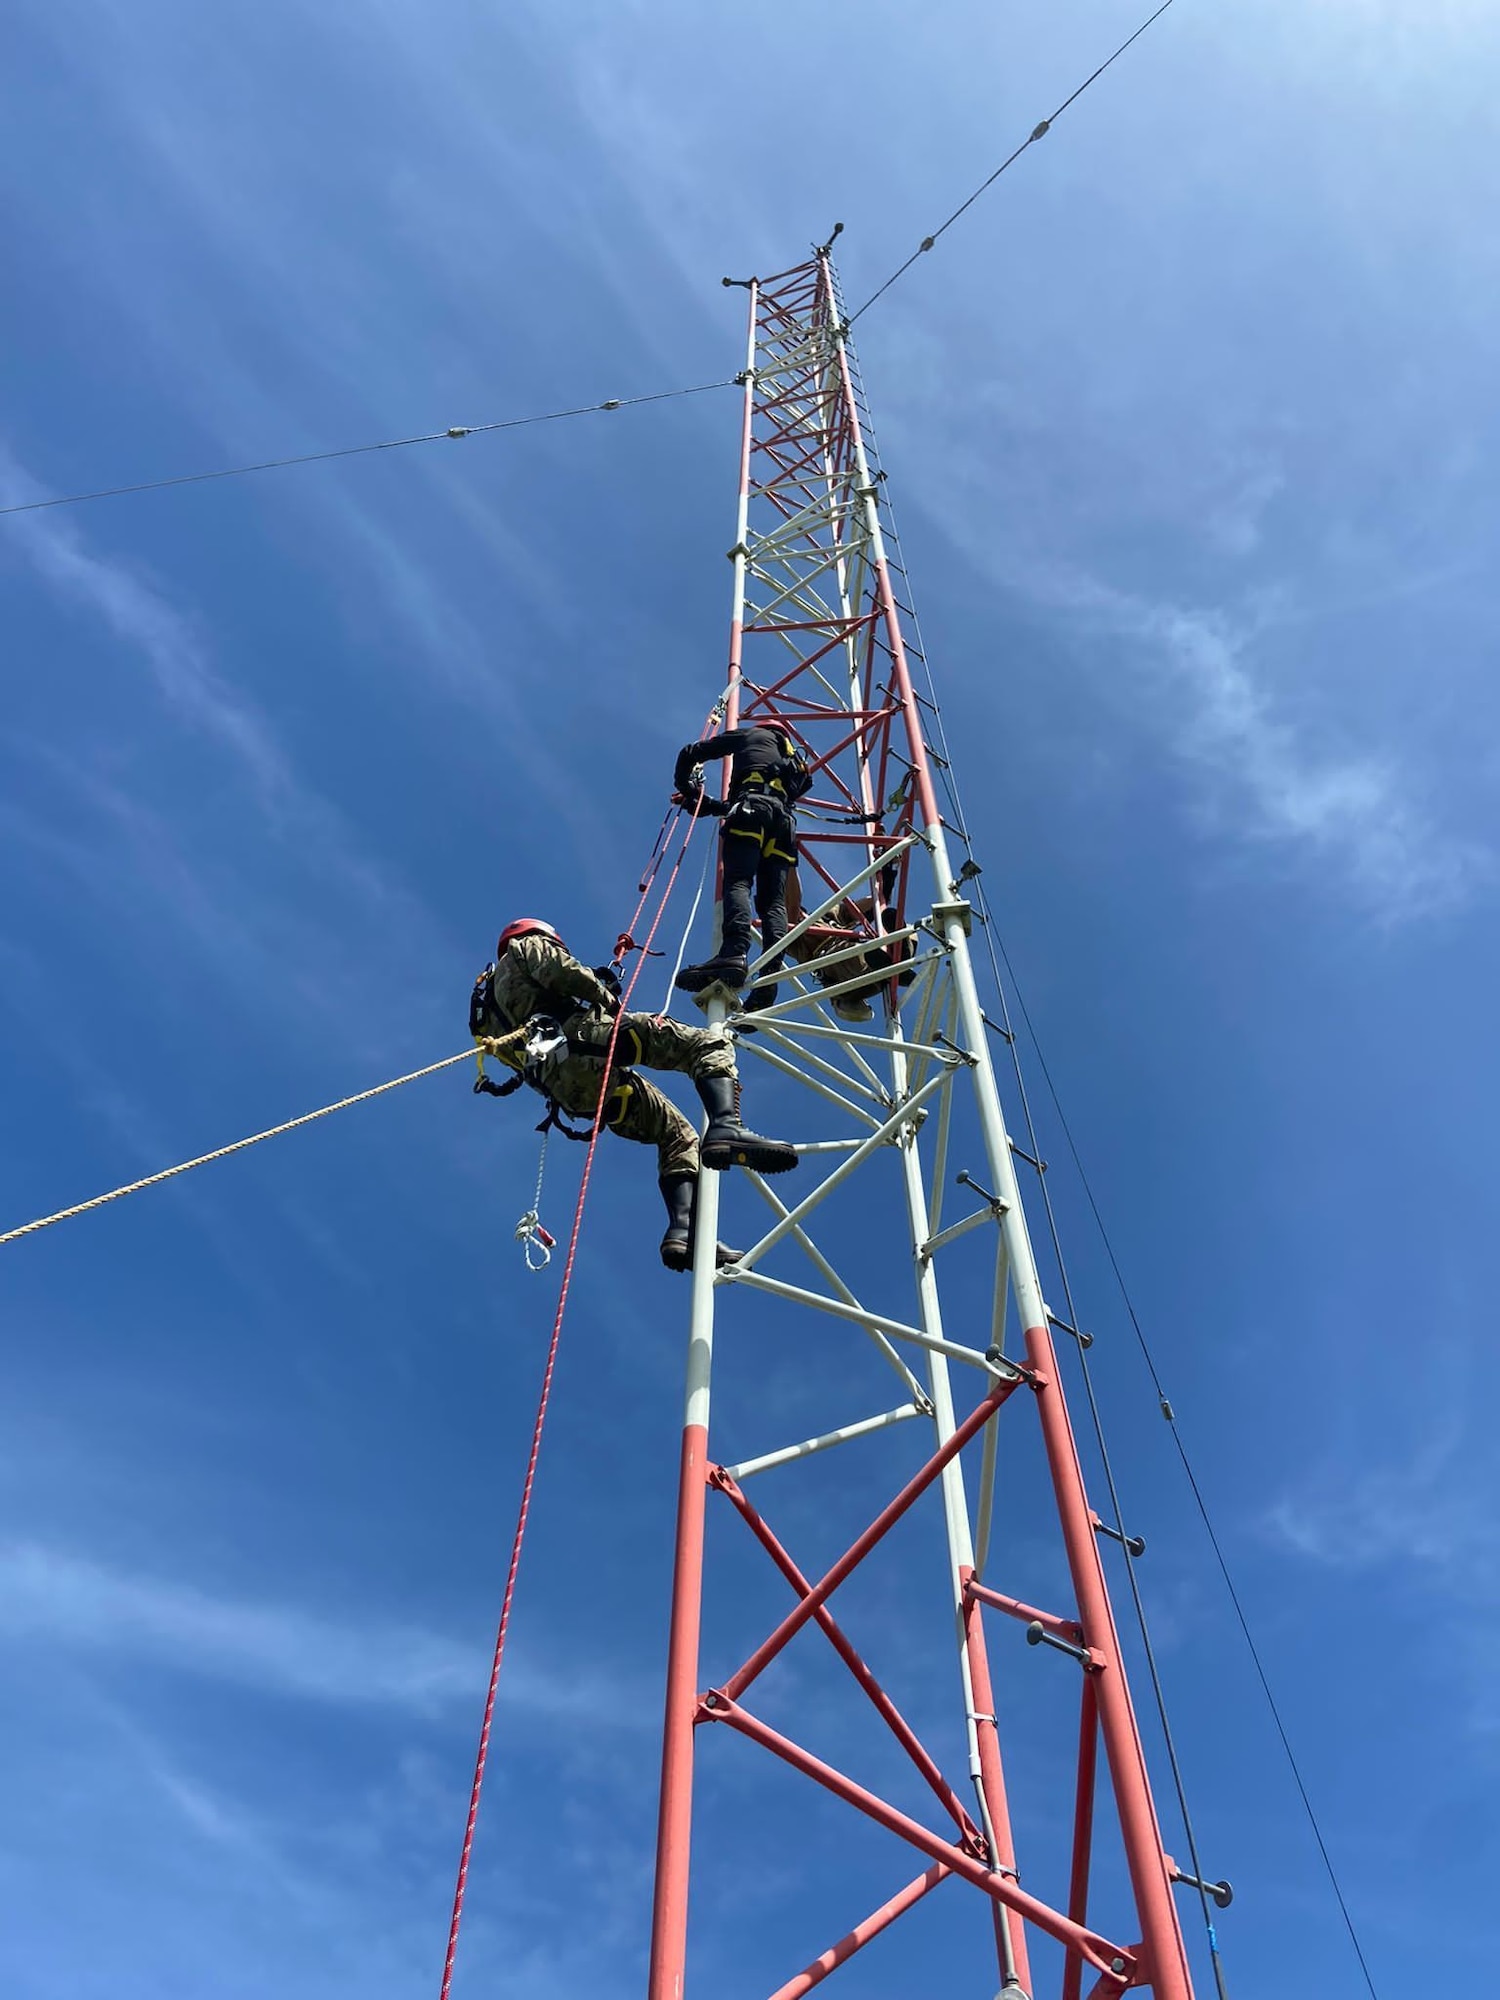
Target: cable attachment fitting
<point>1041,131</point>
<point>612,404</point>
<point>745,375</point>
<point>958,1055</point>
<point>1222,1892</point>
<point>955,912</point>
<point>1038,1635</point>
<point>996,1206</point>
<point>460,430</point>
<point>1083,1339</point>
<point>1136,1544</point>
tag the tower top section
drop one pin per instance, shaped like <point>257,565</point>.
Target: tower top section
<point>816,640</point>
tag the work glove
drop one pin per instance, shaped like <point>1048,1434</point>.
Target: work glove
<point>608,977</point>
<point>700,802</point>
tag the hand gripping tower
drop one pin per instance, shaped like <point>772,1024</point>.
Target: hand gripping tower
<point>816,644</point>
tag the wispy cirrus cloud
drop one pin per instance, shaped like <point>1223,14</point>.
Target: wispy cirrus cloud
<point>1431,1509</point>
<point>1422,1518</point>
<point>1356,812</point>
<point>1259,777</point>
<point>59,1598</point>
<point>289,937</point>
<point>175,652</point>
<point>63,1599</point>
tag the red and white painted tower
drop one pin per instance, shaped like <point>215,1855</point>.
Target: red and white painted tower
<point>817,644</point>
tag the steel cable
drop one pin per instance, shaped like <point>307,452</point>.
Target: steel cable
<point>950,787</point>
<point>360,450</point>
<point>1138,1602</point>
<point>996,952</point>
<point>1171,1417</point>
<point>583,409</point>
<point>1038,132</point>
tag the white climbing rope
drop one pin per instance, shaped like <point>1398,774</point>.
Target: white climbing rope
<point>537,1243</point>
<point>687,929</point>
<point>223,1152</point>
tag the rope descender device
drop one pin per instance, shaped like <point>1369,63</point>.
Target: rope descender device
<point>537,1243</point>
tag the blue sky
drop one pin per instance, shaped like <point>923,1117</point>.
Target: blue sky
<point>1190,426</point>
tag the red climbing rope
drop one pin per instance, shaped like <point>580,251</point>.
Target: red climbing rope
<point>481,1759</point>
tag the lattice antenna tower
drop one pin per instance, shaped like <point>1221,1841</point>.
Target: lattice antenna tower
<point>817,645</point>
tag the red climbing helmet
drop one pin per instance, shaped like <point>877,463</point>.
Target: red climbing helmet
<point>525,927</point>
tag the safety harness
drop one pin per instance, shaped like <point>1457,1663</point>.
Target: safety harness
<point>790,780</point>
<point>532,1050</point>
<point>786,781</point>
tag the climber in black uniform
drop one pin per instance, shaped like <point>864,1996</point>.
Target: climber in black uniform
<point>767,776</point>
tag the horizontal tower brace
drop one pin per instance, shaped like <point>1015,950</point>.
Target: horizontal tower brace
<point>800,1236</point>
<point>789,1453</point>
<point>881,1136</point>
<point>737,1274</point>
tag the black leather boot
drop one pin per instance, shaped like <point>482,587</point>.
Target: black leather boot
<point>681,1196</point>
<point>727,1144</point>
<point>719,971</point>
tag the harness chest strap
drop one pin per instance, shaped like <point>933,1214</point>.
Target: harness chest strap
<point>516,1049</point>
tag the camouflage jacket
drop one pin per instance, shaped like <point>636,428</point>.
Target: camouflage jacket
<point>537,975</point>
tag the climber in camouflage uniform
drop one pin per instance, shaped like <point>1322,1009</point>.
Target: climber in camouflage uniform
<point>536,984</point>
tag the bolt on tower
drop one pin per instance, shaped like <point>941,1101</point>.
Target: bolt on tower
<point>879,1024</point>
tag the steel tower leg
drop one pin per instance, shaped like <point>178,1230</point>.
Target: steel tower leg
<point>674,1828</point>
<point>817,645</point>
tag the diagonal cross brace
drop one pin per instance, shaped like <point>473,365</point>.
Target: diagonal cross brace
<point>878,1529</point>
<point>900,1728</point>
<point>879,1920</point>
<point>1117,1968</point>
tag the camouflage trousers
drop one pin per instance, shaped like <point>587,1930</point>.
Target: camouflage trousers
<point>634,1107</point>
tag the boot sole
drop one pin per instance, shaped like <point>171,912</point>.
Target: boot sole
<point>682,1259</point>
<point>695,982</point>
<point>768,1160</point>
